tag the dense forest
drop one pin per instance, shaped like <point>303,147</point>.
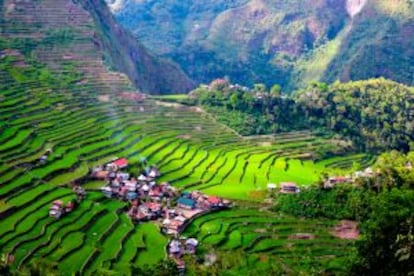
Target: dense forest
<point>374,114</point>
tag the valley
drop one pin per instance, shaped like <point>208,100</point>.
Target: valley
<point>77,92</point>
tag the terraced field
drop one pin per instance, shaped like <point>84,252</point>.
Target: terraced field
<point>268,237</point>
<point>57,94</point>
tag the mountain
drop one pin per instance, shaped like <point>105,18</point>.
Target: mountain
<point>379,43</point>
<point>85,31</point>
<point>148,72</point>
<point>277,41</point>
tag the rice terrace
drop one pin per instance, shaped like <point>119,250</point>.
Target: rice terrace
<point>93,171</point>
<point>194,153</point>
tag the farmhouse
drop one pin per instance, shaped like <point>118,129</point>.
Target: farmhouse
<point>332,181</point>
<point>186,203</point>
<point>178,248</point>
<point>100,174</point>
<point>56,210</point>
<point>79,191</point>
<point>59,209</point>
<point>132,96</point>
<point>174,248</point>
<point>191,246</point>
<point>172,227</point>
<point>120,163</point>
<point>214,201</point>
<point>289,188</point>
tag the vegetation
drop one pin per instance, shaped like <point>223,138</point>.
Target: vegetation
<point>246,240</point>
<point>341,202</point>
<point>384,207</point>
<point>387,247</point>
<point>87,125</point>
<point>374,114</point>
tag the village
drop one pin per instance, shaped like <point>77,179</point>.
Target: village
<point>160,203</point>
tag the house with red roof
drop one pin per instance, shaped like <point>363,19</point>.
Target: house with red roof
<point>120,163</point>
<point>214,201</point>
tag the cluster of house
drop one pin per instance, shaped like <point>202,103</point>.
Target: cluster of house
<point>159,202</point>
<point>123,186</point>
<point>150,200</point>
<point>292,188</point>
<point>177,248</point>
<point>189,205</point>
<point>335,180</point>
<point>59,209</point>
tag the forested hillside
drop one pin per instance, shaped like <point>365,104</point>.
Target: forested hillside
<point>275,41</point>
<point>375,114</point>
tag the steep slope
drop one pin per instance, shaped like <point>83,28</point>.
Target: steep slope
<point>287,42</point>
<point>89,23</point>
<point>380,43</point>
<point>149,73</point>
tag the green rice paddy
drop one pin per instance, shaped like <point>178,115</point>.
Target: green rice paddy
<point>263,238</point>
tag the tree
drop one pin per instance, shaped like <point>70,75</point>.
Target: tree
<point>275,91</point>
<point>234,100</point>
<point>40,267</point>
<point>260,87</point>
<point>248,100</point>
<point>162,268</point>
<point>4,265</point>
<point>387,247</point>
